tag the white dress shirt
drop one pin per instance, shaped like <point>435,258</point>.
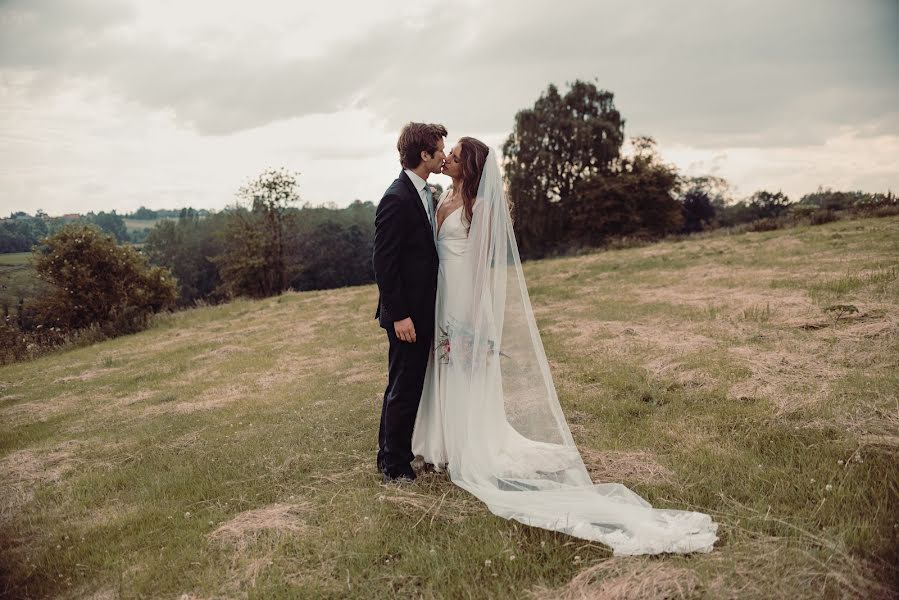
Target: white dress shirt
<point>420,184</point>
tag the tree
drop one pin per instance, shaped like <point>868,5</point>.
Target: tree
<point>144,213</point>
<point>561,142</point>
<point>187,247</point>
<point>637,200</point>
<point>19,234</point>
<point>333,256</point>
<point>254,263</point>
<point>766,205</point>
<point>700,199</point>
<point>96,282</point>
<point>110,223</point>
<point>698,210</point>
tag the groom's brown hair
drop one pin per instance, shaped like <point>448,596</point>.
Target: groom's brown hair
<point>416,138</point>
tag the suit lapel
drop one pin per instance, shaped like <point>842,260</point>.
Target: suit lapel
<point>420,207</point>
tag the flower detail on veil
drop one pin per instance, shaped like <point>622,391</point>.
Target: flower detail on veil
<point>455,334</point>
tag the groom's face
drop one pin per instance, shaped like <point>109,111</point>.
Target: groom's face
<point>434,161</point>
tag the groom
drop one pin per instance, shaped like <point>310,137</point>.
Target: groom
<point>405,263</point>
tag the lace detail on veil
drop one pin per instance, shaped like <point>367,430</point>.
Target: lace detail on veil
<point>507,439</point>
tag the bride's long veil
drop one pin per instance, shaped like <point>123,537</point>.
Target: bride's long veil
<point>508,442</point>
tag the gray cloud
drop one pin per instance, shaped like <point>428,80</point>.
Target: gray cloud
<point>703,73</point>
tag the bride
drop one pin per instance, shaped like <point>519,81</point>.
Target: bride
<point>489,413</point>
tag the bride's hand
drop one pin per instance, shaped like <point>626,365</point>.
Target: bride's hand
<point>405,330</point>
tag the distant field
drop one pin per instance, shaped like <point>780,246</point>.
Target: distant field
<point>228,452</point>
<point>14,259</point>
<point>17,278</point>
<point>138,224</point>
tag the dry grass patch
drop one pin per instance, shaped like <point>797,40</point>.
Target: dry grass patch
<point>218,352</point>
<point>626,579</point>
<point>429,504</point>
<point>789,380</point>
<point>253,536</point>
<point>23,470</point>
<point>88,375</point>
<point>636,467</point>
<point>245,527</point>
<point>751,567</point>
<point>210,399</point>
<point>37,410</point>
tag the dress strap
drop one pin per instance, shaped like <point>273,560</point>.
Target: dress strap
<point>443,197</point>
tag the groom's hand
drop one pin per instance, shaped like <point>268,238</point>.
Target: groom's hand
<point>405,330</point>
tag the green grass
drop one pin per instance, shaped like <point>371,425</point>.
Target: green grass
<point>229,450</point>
<point>17,278</point>
<point>140,224</point>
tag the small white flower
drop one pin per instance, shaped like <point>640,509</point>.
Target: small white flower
<point>840,462</point>
<point>488,562</point>
<point>577,559</point>
<point>828,487</point>
<point>187,515</point>
<point>512,557</point>
<point>542,544</point>
<point>813,480</point>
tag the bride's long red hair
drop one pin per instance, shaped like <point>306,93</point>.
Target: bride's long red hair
<point>474,157</point>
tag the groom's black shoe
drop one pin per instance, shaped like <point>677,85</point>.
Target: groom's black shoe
<point>398,479</point>
<point>401,474</point>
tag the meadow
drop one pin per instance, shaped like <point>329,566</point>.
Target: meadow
<point>17,279</point>
<point>141,224</point>
<point>228,451</point>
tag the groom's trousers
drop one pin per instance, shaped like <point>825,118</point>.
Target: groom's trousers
<point>406,366</point>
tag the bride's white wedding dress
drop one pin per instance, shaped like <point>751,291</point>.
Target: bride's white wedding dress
<point>489,409</point>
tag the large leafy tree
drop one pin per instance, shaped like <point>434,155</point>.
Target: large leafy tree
<point>562,141</point>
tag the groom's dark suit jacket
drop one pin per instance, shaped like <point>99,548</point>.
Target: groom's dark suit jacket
<point>404,258</point>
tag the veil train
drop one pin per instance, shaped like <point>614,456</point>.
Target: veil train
<point>508,442</point>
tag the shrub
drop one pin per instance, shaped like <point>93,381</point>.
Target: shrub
<point>95,282</point>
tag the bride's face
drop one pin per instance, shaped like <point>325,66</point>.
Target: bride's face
<point>453,164</point>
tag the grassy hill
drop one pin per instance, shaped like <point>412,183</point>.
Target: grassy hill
<point>229,451</point>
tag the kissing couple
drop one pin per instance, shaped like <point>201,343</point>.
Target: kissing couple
<point>469,387</point>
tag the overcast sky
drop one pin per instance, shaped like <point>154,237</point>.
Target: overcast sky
<point>114,104</point>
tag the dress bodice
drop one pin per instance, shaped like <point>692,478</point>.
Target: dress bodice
<point>452,237</point>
